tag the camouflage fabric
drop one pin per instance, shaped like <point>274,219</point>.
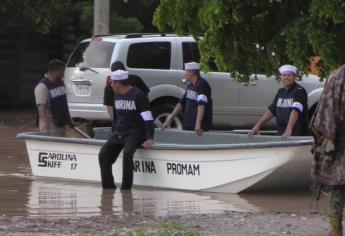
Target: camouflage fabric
<point>328,126</point>
<point>337,202</point>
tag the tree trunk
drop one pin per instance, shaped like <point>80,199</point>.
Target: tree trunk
<point>101,17</point>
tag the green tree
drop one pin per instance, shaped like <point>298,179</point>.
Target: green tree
<point>41,14</point>
<point>118,23</point>
<point>249,36</point>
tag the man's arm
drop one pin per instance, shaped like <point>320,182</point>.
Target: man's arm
<point>108,100</point>
<point>265,118</point>
<point>199,118</point>
<point>42,112</point>
<point>291,124</point>
<point>110,111</point>
<point>268,115</point>
<point>178,109</point>
<point>143,106</point>
<point>41,98</point>
<point>204,94</point>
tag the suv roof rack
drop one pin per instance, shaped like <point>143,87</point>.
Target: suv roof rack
<point>139,35</point>
<point>100,35</point>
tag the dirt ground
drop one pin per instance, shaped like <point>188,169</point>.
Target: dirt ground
<point>229,223</point>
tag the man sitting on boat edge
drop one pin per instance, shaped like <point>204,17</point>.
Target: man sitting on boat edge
<point>196,103</point>
<point>133,127</point>
<point>108,98</point>
<point>290,107</point>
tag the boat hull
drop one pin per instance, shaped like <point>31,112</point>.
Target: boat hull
<point>220,170</point>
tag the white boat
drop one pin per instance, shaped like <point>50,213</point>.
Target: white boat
<point>214,162</point>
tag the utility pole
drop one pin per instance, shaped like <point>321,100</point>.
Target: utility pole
<point>101,11</point>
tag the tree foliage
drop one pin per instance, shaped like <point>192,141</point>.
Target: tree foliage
<point>118,23</point>
<point>250,36</point>
<point>41,14</point>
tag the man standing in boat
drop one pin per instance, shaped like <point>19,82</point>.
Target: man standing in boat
<point>133,127</point>
<point>196,103</point>
<point>290,107</point>
<point>51,101</point>
<point>328,128</point>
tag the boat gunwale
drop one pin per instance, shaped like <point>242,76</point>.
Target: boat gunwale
<point>37,136</point>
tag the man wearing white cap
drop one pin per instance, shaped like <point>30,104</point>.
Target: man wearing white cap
<point>133,127</point>
<point>290,107</point>
<point>196,103</point>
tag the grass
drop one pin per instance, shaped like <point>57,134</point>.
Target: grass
<point>170,228</point>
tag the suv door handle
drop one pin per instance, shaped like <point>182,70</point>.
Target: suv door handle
<point>253,83</point>
<point>184,81</point>
<point>81,82</point>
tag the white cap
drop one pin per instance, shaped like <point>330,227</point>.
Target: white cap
<point>192,66</point>
<point>119,75</point>
<point>288,68</point>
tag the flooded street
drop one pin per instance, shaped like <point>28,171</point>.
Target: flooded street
<point>31,206</point>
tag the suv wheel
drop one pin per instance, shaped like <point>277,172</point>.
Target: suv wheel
<point>161,112</point>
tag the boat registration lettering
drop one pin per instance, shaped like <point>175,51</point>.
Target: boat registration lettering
<point>56,160</point>
<point>141,166</point>
<point>183,169</point>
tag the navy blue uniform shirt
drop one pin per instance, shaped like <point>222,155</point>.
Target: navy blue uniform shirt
<point>134,80</point>
<point>295,98</point>
<point>198,94</point>
<point>58,102</point>
<point>133,114</point>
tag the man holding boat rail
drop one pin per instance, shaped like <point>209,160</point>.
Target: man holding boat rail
<point>133,127</point>
<point>196,104</point>
<point>290,107</point>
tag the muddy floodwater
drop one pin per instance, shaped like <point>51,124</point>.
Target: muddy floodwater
<point>30,206</point>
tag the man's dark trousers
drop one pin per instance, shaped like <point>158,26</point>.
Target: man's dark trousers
<point>109,153</point>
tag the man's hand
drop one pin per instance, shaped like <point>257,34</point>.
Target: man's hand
<point>287,133</point>
<point>291,124</point>
<point>44,128</point>
<point>167,123</point>
<point>148,144</point>
<point>253,131</point>
<point>198,130</point>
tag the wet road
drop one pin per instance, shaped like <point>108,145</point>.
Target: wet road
<point>22,195</point>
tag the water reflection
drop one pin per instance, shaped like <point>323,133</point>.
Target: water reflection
<point>39,198</point>
<point>75,199</point>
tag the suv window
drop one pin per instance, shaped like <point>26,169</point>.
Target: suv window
<point>190,52</point>
<point>151,55</point>
<point>95,54</point>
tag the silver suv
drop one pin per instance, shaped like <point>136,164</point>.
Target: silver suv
<point>159,61</point>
